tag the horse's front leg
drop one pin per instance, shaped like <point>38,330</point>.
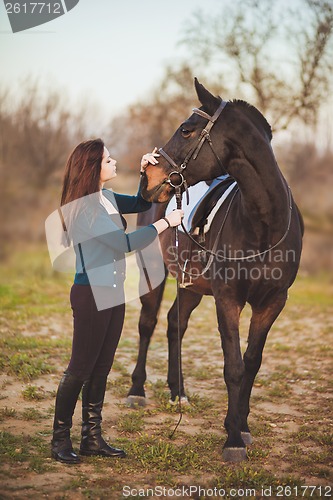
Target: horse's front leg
<point>148,318</point>
<point>228,312</point>
<point>261,322</point>
<point>188,301</point>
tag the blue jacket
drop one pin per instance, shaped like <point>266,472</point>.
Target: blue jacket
<point>100,241</point>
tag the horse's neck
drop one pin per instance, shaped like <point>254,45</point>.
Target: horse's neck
<point>155,213</point>
<point>264,193</point>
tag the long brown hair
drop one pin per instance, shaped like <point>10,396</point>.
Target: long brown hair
<point>82,172</point>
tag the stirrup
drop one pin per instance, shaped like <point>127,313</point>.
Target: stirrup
<point>183,283</point>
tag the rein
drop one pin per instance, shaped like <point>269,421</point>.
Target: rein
<point>235,259</point>
<point>177,180</point>
<point>179,206</point>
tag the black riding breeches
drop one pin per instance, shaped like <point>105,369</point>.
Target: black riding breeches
<point>96,334</point>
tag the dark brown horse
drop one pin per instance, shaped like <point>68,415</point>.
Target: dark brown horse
<point>254,247</point>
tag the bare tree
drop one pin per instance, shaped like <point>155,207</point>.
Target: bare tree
<point>36,133</point>
<point>42,125</point>
<point>280,58</point>
<point>151,123</point>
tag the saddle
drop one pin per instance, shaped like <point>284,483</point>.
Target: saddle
<point>213,199</point>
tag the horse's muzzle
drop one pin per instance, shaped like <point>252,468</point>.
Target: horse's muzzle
<point>156,190</point>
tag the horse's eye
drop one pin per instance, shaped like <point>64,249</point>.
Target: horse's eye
<point>185,132</point>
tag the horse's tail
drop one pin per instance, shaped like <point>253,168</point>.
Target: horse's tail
<point>301,221</point>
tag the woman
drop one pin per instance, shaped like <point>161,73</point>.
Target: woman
<point>96,228</point>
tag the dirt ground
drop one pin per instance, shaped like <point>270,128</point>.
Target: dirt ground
<point>291,417</point>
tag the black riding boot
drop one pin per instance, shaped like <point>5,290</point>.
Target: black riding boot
<point>92,443</point>
<point>68,392</point>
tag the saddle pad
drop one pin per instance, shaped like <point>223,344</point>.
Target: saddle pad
<point>207,207</point>
<point>198,194</point>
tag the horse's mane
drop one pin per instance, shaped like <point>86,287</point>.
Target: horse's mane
<point>258,119</point>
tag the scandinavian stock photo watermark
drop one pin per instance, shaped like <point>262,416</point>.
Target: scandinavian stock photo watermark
<point>228,264</point>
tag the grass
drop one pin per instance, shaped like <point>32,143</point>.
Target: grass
<point>26,367</point>
<point>33,414</point>
<point>322,438</point>
<point>17,449</point>
<point>314,293</point>
<point>132,423</point>
<point>7,413</point>
<point>159,454</point>
<point>33,393</point>
<point>291,409</point>
<point>25,277</point>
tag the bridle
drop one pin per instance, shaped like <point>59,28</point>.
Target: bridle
<point>176,178</point>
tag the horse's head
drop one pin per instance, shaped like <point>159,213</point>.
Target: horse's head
<point>178,157</point>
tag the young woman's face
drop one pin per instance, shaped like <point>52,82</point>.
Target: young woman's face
<point>108,167</point>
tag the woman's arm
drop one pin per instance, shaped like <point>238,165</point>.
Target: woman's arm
<point>134,204</point>
<point>105,228</point>
<point>136,240</point>
<point>131,204</point>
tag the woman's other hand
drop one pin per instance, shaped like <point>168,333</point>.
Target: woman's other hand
<point>149,158</point>
<point>175,217</point>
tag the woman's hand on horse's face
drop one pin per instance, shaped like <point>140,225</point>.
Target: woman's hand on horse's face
<point>149,158</point>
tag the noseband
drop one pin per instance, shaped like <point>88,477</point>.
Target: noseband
<point>176,178</point>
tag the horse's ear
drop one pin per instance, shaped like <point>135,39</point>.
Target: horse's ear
<point>205,97</point>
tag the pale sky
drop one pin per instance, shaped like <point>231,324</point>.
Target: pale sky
<point>109,51</point>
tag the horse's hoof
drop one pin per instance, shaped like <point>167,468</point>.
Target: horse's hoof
<point>135,401</point>
<point>247,438</point>
<point>234,454</point>
<point>183,400</point>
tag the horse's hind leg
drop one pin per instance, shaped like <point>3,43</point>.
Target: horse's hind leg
<point>261,322</point>
<point>188,301</point>
<point>148,318</point>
